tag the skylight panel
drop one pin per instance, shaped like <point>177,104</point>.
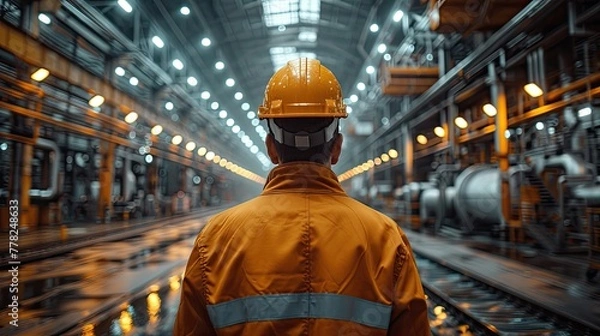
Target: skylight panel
<point>310,11</point>
<point>280,12</point>
<point>288,12</point>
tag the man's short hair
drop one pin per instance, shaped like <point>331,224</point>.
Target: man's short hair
<point>319,154</point>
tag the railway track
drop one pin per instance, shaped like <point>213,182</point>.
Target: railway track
<point>462,305</point>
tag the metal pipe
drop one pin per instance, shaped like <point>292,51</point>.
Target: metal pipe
<point>52,190</point>
<point>572,165</point>
<point>590,193</point>
<point>562,181</point>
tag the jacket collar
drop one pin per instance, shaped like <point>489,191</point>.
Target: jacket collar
<point>302,177</point>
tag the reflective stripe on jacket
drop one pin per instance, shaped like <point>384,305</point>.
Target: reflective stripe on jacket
<point>303,258</point>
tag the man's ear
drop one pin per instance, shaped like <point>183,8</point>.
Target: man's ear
<point>336,149</point>
<point>271,150</point>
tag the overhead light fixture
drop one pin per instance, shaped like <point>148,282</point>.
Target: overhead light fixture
<point>387,57</point>
<point>223,162</point>
<point>539,125</point>
<point>205,95</point>
<point>206,42</point>
<point>40,74</point>
<point>45,19</point>
<point>169,106</point>
<point>422,139</point>
<point>210,155</point>
<point>230,82</point>
<point>219,65</point>
<point>192,81</point>
<point>251,115</point>
<point>214,105</point>
<point>235,129</point>
<point>178,64</point>
<point>374,28</point>
<point>349,109</point>
<point>185,10</point>
<point>361,86</point>
<point>398,15</point>
<point>238,96</point>
<point>190,146</point>
<point>96,101</point>
<point>158,42</point>
<point>439,131</point>
<point>230,122</point>
<point>156,130</point>
<point>202,151</point>
<point>533,90</point>
<point>354,98</point>
<point>222,114</point>
<point>584,112</point>
<point>381,48</point>
<point>490,110</point>
<point>385,157</point>
<point>177,140</point>
<point>370,69</point>
<point>120,71</point>
<point>216,159</point>
<point>507,134</point>
<point>377,161</point>
<point>125,5</point>
<point>253,149</point>
<point>134,81</point>
<point>131,117</point>
<point>245,106</point>
<point>461,123</point>
<point>393,153</point>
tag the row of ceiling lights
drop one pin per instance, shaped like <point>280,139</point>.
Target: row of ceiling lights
<point>97,100</point>
<point>370,164</point>
<point>488,109</point>
<point>192,81</point>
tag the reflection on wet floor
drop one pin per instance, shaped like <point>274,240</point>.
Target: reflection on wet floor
<point>150,314</point>
<point>61,294</point>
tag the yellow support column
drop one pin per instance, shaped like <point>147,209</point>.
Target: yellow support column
<point>502,148</point>
<point>105,206</point>
<point>26,221</point>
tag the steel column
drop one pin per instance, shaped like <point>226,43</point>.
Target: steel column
<point>106,176</point>
<point>498,96</point>
<point>26,221</point>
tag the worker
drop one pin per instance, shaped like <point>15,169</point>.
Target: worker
<point>302,258</point>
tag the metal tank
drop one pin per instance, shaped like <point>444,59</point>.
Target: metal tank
<point>433,206</point>
<point>477,200</point>
<point>478,195</point>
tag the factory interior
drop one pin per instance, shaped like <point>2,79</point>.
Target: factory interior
<point>126,124</point>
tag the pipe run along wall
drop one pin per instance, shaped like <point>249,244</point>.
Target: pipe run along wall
<point>52,190</point>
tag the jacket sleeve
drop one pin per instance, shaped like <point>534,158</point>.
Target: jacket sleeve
<point>409,309</point>
<point>192,317</point>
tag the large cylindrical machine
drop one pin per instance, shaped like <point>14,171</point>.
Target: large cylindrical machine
<point>432,206</point>
<point>478,199</point>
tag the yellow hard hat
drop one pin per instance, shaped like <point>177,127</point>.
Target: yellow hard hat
<point>303,88</point>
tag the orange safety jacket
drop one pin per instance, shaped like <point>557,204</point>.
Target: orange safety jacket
<point>303,258</point>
